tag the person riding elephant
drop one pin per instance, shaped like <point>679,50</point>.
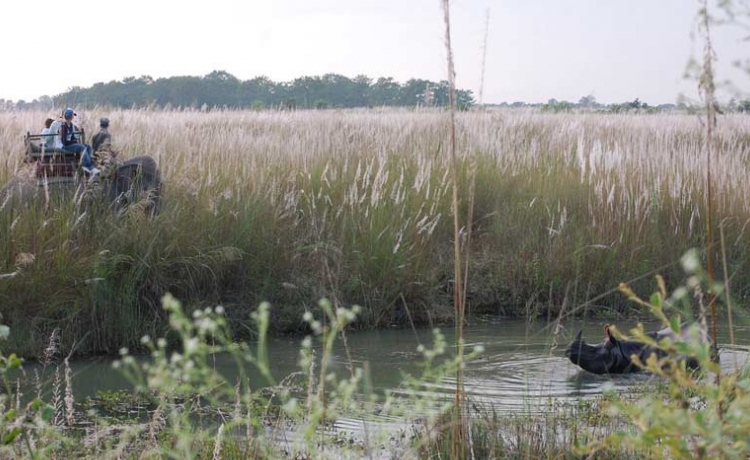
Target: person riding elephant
<point>71,143</point>
<point>102,139</point>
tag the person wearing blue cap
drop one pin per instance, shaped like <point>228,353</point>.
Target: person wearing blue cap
<point>102,138</point>
<point>69,136</point>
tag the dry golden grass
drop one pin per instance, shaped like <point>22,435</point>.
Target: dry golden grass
<point>356,205</point>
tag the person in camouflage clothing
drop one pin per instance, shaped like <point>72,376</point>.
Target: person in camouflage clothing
<point>102,138</point>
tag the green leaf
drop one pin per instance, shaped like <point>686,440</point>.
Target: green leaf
<point>10,415</point>
<point>14,362</point>
<point>655,299</point>
<point>674,323</point>
<point>47,413</point>
<point>11,436</point>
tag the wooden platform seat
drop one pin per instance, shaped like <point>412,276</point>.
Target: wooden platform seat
<point>50,162</point>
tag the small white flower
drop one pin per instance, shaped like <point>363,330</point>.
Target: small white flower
<point>307,317</point>
<point>690,262</point>
<point>123,351</point>
<point>219,310</point>
<point>145,340</point>
<point>191,345</point>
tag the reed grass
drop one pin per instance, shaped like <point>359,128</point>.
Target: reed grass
<point>566,206</point>
<point>460,431</point>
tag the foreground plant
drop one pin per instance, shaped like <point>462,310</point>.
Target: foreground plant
<point>22,424</point>
<point>699,415</point>
<point>182,407</point>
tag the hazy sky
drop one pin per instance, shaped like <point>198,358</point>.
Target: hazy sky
<point>616,50</point>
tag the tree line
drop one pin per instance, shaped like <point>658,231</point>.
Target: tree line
<point>222,89</point>
<point>590,104</point>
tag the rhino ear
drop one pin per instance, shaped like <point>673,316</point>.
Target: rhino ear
<point>608,334</point>
<point>578,336</point>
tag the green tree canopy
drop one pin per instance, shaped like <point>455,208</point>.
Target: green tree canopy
<point>222,89</point>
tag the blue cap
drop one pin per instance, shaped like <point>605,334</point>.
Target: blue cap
<point>104,122</point>
<point>68,113</point>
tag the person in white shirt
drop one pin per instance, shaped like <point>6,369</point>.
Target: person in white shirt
<point>47,140</point>
<point>54,142</point>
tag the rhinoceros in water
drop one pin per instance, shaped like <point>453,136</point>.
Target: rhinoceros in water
<point>614,356</point>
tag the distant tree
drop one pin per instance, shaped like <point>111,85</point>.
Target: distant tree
<point>306,90</point>
<point>428,96</point>
<point>731,106</point>
<point>464,99</point>
<point>588,102</point>
<point>553,105</point>
<point>289,104</point>
<point>259,89</point>
<point>220,89</point>
<point>359,91</point>
<point>385,92</point>
<point>744,106</point>
<point>412,92</point>
<point>666,107</point>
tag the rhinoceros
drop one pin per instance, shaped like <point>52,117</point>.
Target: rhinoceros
<point>614,356</point>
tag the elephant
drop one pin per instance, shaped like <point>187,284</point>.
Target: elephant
<point>136,180</point>
<point>121,184</point>
<point>615,356</point>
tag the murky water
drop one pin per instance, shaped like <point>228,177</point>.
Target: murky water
<point>520,369</point>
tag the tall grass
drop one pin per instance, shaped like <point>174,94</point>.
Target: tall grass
<point>458,445</point>
<point>255,203</point>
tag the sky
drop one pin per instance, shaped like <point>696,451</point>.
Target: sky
<point>615,50</point>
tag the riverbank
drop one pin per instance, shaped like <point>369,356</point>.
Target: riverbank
<point>354,206</point>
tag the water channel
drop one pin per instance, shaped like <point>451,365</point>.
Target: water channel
<point>519,369</point>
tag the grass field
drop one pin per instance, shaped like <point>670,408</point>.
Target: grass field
<point>355,206</point>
